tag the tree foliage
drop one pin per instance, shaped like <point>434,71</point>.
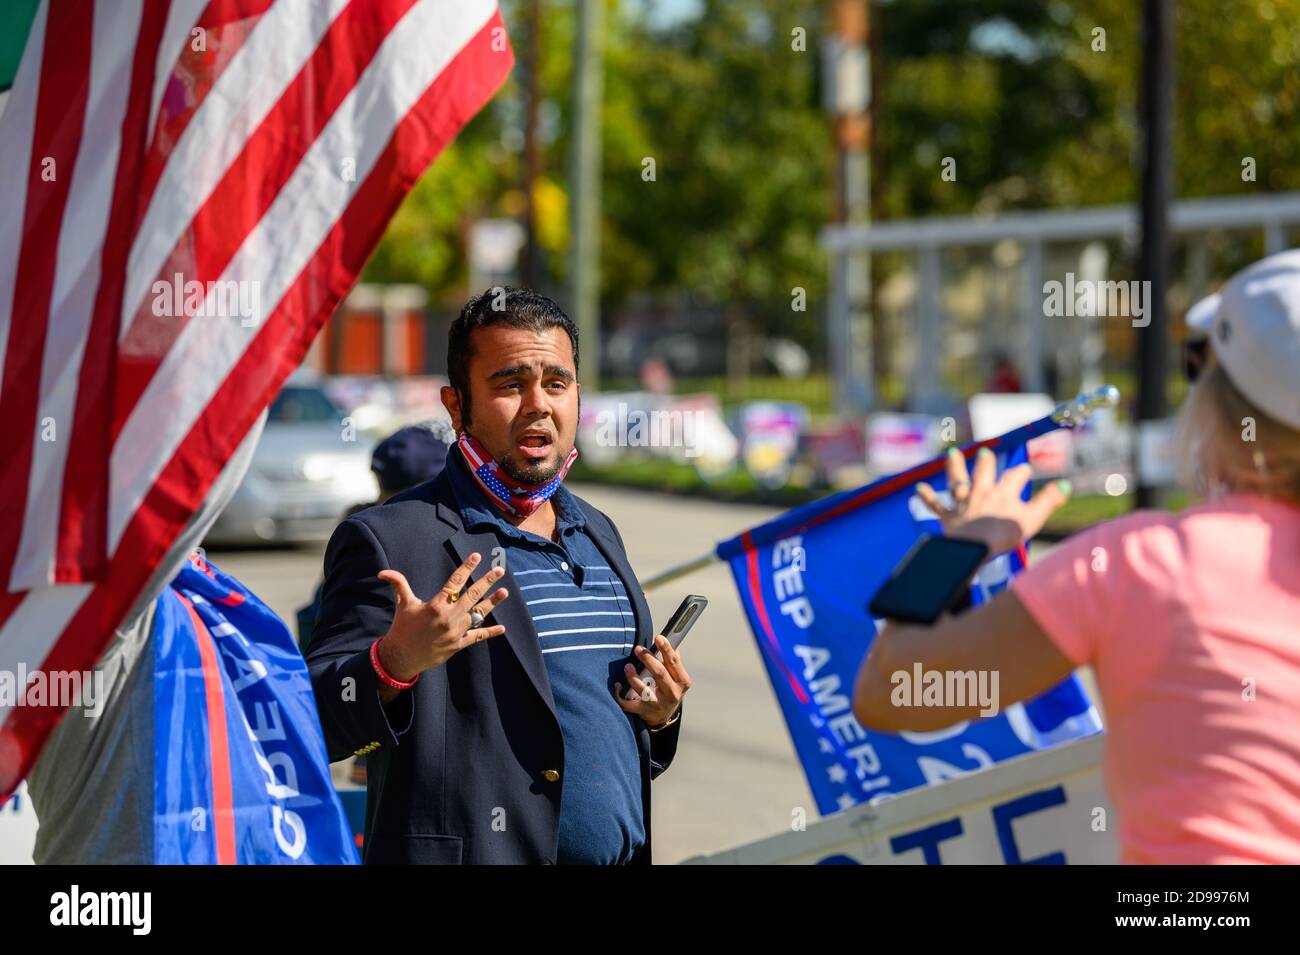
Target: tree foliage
<point>1017,92</point>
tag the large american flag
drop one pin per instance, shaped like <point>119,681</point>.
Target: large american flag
<point>256,145</point>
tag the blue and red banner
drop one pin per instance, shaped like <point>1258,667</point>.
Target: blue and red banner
<point>240,769</point>
<point>805,580</point>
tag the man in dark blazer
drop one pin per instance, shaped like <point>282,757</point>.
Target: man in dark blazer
<point>501,724</point>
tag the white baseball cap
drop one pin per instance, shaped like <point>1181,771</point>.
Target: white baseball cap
<point>1253,324</point>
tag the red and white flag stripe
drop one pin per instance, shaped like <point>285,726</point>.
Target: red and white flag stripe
<point>243,144</point>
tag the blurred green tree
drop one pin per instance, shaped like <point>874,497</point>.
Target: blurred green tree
<point>1035,105</point>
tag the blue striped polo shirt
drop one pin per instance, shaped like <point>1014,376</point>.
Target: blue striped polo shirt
<point>586,626</point>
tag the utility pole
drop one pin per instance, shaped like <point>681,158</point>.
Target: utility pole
<point>584,186</point>
<point>880,344</point>
<point>530,265</point>
<point>1153,266</point>
<point>846,63</point>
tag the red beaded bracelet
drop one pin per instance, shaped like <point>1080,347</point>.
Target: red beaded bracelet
<point>383,674</point>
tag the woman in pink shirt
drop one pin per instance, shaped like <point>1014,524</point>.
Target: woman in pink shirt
<point>1191,621</point>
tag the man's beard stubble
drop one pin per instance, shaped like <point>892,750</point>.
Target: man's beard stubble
<point>534,472</point>
<point>530,473</point>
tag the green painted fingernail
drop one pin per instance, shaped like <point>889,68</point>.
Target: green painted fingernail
<point>954,452</point>
<point>1064,486</point>
<point>985,452</point>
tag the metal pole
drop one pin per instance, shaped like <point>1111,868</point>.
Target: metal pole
<point>925,388</point>
<point>839,336</point>
<point>1274,238</point>
<point>529,271</point>
<point>679,570</point>
<point>847,78</point>
<point>584,186</point>
<point>1157,107</point>
<point>1032,318</point>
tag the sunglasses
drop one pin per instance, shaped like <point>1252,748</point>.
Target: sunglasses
<point>1196,352</point>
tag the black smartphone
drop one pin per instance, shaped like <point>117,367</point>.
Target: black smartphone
<point>679,625</point>
<point>929,580</point>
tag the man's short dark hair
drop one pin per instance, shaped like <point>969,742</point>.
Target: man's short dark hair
<point>516,307</point>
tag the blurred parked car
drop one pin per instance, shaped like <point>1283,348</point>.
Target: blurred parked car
<point>689,350</point>
<point>304,475</point>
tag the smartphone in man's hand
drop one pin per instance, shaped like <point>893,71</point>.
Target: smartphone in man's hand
<point>683,618</point>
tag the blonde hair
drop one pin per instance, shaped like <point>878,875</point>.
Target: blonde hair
<point>1226,443</point>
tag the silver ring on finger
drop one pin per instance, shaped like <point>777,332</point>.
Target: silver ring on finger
<point>475,619</point>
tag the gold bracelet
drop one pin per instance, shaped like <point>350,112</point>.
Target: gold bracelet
<point>677,715</point>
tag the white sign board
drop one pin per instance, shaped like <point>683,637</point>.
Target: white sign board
<point>1048,807</point>
<point>994,414</point>
<point>1157,461</point>
<point>17,829</point>
<point>896,442</point>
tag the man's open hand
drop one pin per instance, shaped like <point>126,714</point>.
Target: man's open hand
<point>425,634</point>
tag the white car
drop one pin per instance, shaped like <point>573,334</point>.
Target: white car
<point>304,476</point>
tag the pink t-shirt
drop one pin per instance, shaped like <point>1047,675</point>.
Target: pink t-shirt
<point>1192,624</point>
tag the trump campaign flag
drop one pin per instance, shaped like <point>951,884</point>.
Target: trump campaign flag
<point>240,770</point>
<point>189,189</point>
<point>805,580</point>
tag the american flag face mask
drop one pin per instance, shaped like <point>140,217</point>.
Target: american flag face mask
<point>513,497</point>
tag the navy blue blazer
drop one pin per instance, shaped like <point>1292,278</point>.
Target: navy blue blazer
<point>467,766</point>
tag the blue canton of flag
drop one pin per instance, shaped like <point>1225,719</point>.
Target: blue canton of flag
<point>487,473</point>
